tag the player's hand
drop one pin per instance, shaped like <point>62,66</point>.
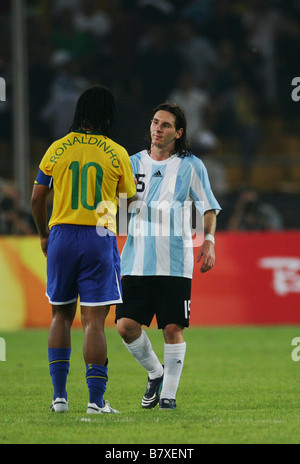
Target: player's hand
<point>44,245</point>
<point>207,254</point>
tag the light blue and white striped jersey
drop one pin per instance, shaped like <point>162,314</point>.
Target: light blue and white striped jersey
<point>159,241</point>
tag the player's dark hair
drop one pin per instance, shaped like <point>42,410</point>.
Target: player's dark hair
<point>96,111</point>
<point>182,147</point>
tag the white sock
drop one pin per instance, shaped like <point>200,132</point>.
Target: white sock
<point>141,349</point>
<point>174,359</point>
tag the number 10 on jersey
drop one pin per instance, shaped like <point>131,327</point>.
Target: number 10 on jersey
<point>81,179</point>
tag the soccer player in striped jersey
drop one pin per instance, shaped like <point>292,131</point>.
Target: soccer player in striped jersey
<point>86,169</point>
<point>157,261</point>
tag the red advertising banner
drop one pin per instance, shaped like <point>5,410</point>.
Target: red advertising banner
<point>256,280</point>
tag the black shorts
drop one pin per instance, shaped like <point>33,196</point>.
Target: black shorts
<point>168,298</point>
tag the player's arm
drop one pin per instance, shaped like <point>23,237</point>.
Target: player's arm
<point>208,208</point>
<point>40,213</point>
<point>127,184</point>
<point>207,250</point>
<point>123,201</point>
<point>135,197</point>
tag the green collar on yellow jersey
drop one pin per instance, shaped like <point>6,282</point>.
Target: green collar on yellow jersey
<point>80,131</point>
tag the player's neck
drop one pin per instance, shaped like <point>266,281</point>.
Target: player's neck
<point>162,154</point>
<point>86,129</point>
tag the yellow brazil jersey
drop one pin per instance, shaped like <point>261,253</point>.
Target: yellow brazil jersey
<point>87,171</point>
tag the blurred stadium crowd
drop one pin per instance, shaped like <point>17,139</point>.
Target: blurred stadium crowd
<point>228,63</point>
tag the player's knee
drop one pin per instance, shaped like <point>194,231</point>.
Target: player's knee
<point>173,333</point>
<point>129,330</point>
<point>171,330</point>
<point>64,314</point>
<point>121,328</point>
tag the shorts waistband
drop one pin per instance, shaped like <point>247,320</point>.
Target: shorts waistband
<point>101,231</point>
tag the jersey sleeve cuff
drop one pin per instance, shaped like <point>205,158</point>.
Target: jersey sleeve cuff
<point>43,179</point>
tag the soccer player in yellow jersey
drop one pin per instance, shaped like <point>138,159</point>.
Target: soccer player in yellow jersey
<point>87,171</point>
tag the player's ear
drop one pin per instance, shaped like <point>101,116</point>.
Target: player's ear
<point>179,134</point>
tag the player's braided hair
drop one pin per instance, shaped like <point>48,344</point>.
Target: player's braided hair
<point>182,147</point>
<point>96,111</point>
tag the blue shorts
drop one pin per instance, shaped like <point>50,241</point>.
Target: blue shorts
<point>80,262</point>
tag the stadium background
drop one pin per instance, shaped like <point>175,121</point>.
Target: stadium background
<point>231,63</point>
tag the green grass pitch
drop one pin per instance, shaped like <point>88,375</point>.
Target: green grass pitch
<point>239,385</point>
